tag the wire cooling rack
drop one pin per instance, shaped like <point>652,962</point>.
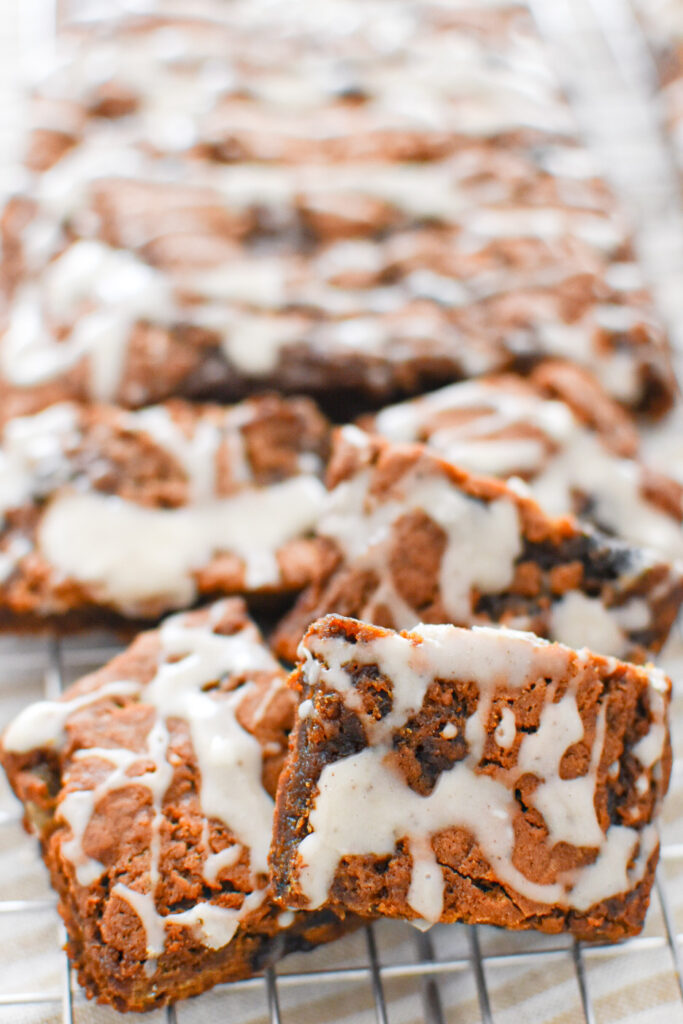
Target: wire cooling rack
<point>390,973</point>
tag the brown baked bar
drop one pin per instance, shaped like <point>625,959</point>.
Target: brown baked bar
<point>474,775</point>
<point>262,198</point>
<point>150,785</point>
<point>108,514</point>
<point>560,433</point>
<point>412,538</point>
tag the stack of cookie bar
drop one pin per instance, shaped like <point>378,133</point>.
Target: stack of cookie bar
<point>323,314</point>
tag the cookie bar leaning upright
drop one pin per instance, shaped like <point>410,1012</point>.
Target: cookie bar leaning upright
<point>150,785</point>
<point>107,515</point>
<point>410,537</point>
<point>478,775</point>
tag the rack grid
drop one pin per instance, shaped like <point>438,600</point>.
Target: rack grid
<point>390,973</point>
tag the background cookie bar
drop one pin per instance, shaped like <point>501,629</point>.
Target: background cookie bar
<point>150,785</point>
<point>662,21</point>
<point>261,198</point>
<point>472,775</point>
<point>410,538</point>
<point>561,434</point>
<point>108,513</point>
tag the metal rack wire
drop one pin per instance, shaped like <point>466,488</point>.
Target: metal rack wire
<point>391,973</point>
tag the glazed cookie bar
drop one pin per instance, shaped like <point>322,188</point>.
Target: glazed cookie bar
<point>150,785</point>
<point>476,775</point>
<point>410,537</point>
<point>108,514</point>
<point>559,433</point>
<point>211,206</point>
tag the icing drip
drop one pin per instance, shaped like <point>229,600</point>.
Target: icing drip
<point>78,806</point>
<point>505,732</point>
<point>609,873</point>
<point>615,488</point>
<point>103,540</point>
<point>196,454</point>
<point>483,539</point>
<point>215,925</point>
<point>483,653</point>
<point>229,760</point>
<point>224,750</point>
<point>566,460</point>
<point>135,557</point>
<point>364,806</point>
<point>33,456</point>
<point>40,726</point>
<point>581,621</point>
<point>650,748</point>
<point>216,862</point>
<point>118,288</point>
<point>425,894</point>
<point>567,805</point>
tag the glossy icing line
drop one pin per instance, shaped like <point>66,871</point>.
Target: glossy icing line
<point>141,557</point>
<point>135,557</point>
<point>483,538</point>
<point>485,428</point>
<point>482,544</point>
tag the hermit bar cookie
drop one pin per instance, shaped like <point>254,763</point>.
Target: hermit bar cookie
<point>111,514</point>
<point>476,775</point>
<point>411,538</point>
<point>562,435</point>
<point>150,785</point>
<point>350,196</point>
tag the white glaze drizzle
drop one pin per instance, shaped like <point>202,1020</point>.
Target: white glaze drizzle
<point>363,805</point>
<point>33,454</point>
<point>454,81</point>
<point>505,730</point>
<point>650,748</point>
<point>41,725</point>
<point>483,539</point>
<point>294,67</point>
<point>567,460</point>
<point>135,558</point>
<point>582,621</point>
<point>196,453</point>
<point>90,535</point>
<point>567,805</point>
<point>100,293</point>
<point>483,542</point>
